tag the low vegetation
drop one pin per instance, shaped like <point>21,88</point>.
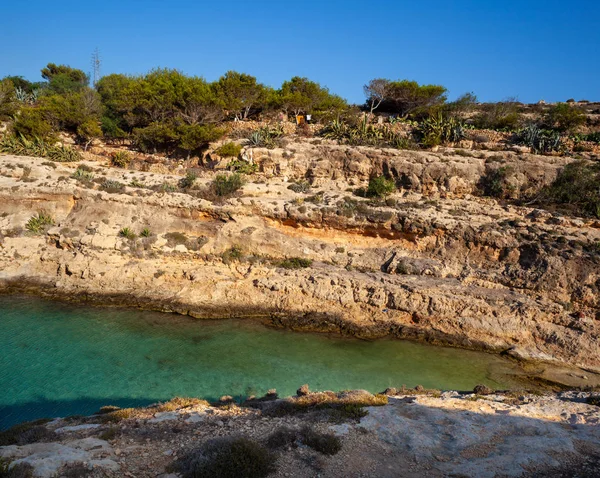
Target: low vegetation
<point>295,263</point>
<point>227,184</point>
<point>120,159</point>
<point>577,187</point>
<point>25,433</point>
<point>286,437</point>
<point>229,150</point>
<point>39,223</point>
<point>21,146</point>
<point>228,457</point>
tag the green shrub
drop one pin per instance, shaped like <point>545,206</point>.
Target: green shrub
<point>326,443</point>
<point>493,183</point>
<point>233,254</point>
<point>82,175</point>
<point>300,187</point>
<point>576,185</point>
<point>380,187</point>
<point>175,239</point>
<point>229,150</point>
<point>225,185</point>
<point>120,159</point>
<point>111,129</point>
<point>112,186</point>
<point>127,233</point>
<point>592,137</point>
<point>228,457</point>
<point>242,167</point>
<point>501,116</point>
<point>31,124</point>
<point>565,117</point>
<point>145,232</point>
<point>18,434</point>
<point>20,470</point>
<point>167,188</point>
<point>37,224</point>
<point>295,263</point>
<point>285,437</point>
<point>188,181</point>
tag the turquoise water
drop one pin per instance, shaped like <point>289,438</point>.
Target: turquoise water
<point>59,359</point>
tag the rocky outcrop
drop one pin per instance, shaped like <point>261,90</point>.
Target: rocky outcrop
<point>432,262</point>
<point>422,433</point>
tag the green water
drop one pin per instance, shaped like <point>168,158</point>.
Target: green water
<point>58,359</point>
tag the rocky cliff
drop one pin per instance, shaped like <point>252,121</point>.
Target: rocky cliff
<point>434,261</point>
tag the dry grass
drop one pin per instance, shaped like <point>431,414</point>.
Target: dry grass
<point>178,403</point>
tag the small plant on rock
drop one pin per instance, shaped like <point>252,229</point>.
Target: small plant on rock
<point>380,187</point>
<point>127,233</point>
<point>229,150</point>
<point>120,159</point>
<point>295,263</point>
<point>225,185</point>
<point>145,232</point>
<point>188,181</point>
<point>37,224</point>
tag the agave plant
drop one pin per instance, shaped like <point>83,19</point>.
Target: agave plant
<point>64,154</point>
<point>37,224</point>
<point>540,141</point>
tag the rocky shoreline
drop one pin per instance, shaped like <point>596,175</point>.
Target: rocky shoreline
<point>353,433</point>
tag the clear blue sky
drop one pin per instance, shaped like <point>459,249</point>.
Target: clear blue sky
<point>530,49</point>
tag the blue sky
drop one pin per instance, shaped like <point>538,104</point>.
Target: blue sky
<point>528,49</point>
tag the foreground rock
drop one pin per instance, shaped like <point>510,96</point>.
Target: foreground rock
<point>417,433</point>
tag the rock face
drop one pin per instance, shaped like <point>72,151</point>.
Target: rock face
<point>432,262</point>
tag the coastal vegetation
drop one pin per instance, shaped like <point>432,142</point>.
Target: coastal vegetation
<point>167,112</point>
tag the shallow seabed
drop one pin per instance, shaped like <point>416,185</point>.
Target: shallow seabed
<point>59,359</point>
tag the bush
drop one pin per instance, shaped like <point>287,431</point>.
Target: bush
<point>295,263</point>
<point>20,434</point>
<point>232,254</point>
<point>300,187</point>
<point>565,117</point>
<point>501,116</point>
<point>37,224</point>
<point>229,150</point>
<point>225,185</point>
<point>112,186</point>
<point>242,167</point>
<point>380,187</point>
<point>120,159</point>
<point>188,181</point>
<point>20,470</point>
<point>111,129</point>
<point>32,124</point>
<point>493,183</point>
<point>326,443</point>
<point>285,437</point>
<point>576,185</point>
<point>229,457</point>
<point>145,232</point>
